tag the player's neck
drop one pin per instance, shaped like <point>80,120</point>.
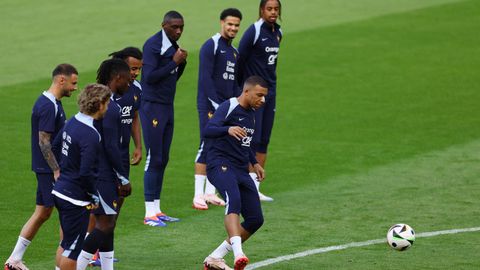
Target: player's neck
<point>56,91</point>
<point>243,102</point>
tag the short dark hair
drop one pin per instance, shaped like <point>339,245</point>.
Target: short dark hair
<point>255,80</point>
<point>111,68</point>
<point>127,52</point>
<point>230,12</point>
<point>262,5</point>
<point>172,14</point>
<point>64,69</point>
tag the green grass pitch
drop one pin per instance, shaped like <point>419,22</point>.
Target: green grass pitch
<point>378,122</point>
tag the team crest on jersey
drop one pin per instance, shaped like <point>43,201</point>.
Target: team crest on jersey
<point>210,115</point>
<point>135,97</point>
<point>154,122</point>
<point>114,204</point>
<point>224,168</point>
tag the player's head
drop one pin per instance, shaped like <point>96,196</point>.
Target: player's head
<point>270,10</point>
<point>65,76</point>
<point>94,99</point>
<point>133,56</point>
<point>255,90</point>
<point>230,20</point>
<point>173,25</point>
<point>114,73</point>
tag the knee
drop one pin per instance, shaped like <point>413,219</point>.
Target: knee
<point>253,224</point>
<point>44,214</point>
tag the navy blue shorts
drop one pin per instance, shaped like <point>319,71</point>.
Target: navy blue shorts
<point>74,222</point>
<point>45,182</point>
<point>202,151</point>
<point>264,118</point>
<point>157,128</point>
<point>108,194</point>
<point>239,192</point>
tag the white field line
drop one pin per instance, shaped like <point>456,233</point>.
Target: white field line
<point>349,245</point>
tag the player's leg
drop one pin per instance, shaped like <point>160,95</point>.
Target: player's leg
<point>166,143</point>
<point>74,223</point>
<point>200,168</point>
<point>152,130</point>
<point>224,178</point>
<point>267,115</point>
<point>43,211</point>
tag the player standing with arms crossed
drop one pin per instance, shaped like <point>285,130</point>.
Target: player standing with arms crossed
<point>48,118</point>
<point>163,64</point>
<point>216,83</point>
<point>258,49</point>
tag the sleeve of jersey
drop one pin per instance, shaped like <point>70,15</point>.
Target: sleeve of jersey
<point>111,142</point>
<point>156,67</point>
<point>245,50</point>
<point>216,125</point>
<point>181,68</point>
<point>89,148</point>
<point>46,120</point>
<point>205,73</point>
<point>252,158</point>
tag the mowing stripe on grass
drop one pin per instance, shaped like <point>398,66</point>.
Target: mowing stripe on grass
<point>350,245</point>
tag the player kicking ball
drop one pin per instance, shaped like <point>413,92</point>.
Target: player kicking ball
<point>230,132</point>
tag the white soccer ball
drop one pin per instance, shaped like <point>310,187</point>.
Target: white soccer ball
<point>400,237</point>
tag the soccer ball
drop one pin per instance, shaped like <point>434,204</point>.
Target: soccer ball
<point>400,237</point>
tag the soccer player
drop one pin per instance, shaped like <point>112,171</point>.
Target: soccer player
<point>112,180</point>
<point>216,83</point>
<point>74,192</point>
<point>48,118</point>
<point>231,131</point>
<point>163,64</point>
<point>258,56</point>
<point>130,104</point>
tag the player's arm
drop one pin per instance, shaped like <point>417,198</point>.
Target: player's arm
<point>206,66</point>
<point>156,67</point>
<point>89,149</point>
<point>44,139</point>
<point>137,140</point>
<point>112,150</point>
<point>182,65</point>
<point>245,49</point>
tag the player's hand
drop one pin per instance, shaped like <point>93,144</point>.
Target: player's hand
<point>125,190</point>
<point>94,202</point>
<point>259,171</point>
<point>56,174</point>
<point>136,156</point>
<point>237,132</point>
<point>180,56</point>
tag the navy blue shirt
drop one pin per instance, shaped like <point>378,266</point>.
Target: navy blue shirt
<point>129,104</point>
<point>258,49</point>
<point>226,148</point>
<point>80,146</point>
<point>216,73</point>
<point>159,72</point>
<point>110,164</point>
<point>47,116</point>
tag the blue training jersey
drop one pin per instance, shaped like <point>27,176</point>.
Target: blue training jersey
<point>80,146</point>
<point>159,72</point>
<point>48,116</point>
<point>258,49</point>
<point>110,163</point>
<point>226,148</point>
<point>129,104</point>
<point>216,73</point>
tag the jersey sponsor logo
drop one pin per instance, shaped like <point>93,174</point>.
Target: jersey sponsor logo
<point>247,139</point>
<point>126,111</point>
<point>127,121</point>
<point>272,49</point>
<point>229,73</point>
<point>67,141</point>
<point>241,118</point>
